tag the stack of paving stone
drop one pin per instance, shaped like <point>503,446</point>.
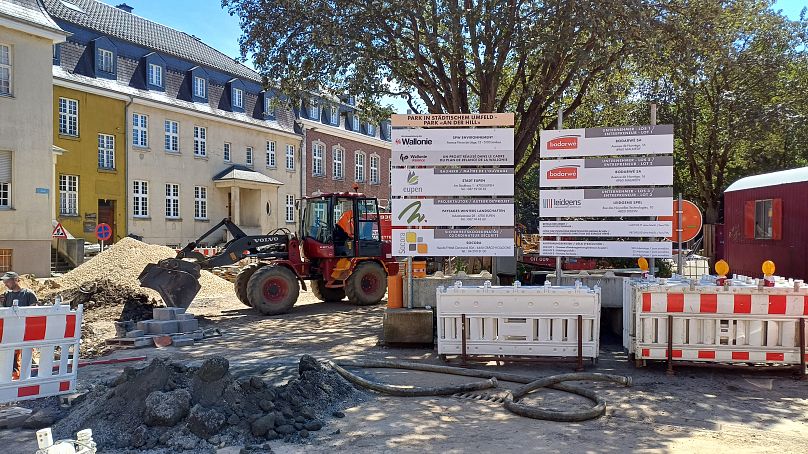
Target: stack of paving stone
<point>183,328</point>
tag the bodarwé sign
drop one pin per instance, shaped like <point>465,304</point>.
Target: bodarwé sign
<point>620,140</point>
<point>626,171</point>
<point>611,202</point>
<point>446,212</point>
<point>426,147</point>
<point>452,182</point>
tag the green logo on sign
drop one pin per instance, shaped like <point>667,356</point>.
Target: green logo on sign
<point>412,178</point>
<point>415,216</point>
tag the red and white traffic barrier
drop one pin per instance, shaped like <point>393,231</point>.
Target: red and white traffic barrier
<point>729,325</point>
<point>206,251</point>
<point>44,342</point>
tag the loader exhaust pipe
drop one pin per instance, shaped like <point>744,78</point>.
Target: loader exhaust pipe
<point>176,280</point>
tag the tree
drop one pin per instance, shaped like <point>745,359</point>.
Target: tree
<point>445,56</point>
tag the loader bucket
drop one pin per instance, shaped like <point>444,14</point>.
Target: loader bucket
<point>176,280</point>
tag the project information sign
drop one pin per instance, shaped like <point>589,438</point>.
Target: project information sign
<point>453,120</point>
<point>628,171</point>
<point>450,147</point>
<point>453,182</point>
<point>453,242</point>
<point>621,140</point>
<point>635,229</point>
<point>599,202</point>
<point>662,249</point>
<point>443,212</point>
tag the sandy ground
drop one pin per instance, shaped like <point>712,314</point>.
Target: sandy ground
<point>697,410</point>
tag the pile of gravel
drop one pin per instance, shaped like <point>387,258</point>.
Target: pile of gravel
<point>168,407</point>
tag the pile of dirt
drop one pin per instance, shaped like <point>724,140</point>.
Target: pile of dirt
<point>168,407</point>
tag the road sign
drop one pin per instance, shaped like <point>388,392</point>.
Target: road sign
<point>453,120</point>
<point>103,232</point>
<point>599,202</point>
<point>452,182</point>
<point>59,232</point>
<point>626,171</point>
<point>466,212</point>
<point>691,220</point>
<point>621,140</point>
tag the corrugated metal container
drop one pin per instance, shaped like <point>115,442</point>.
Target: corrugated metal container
<point>743,252</point>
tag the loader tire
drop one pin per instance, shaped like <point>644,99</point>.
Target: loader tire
<point>367,284</point>
<point>241,282</point>
<point>273,289</point>
<point>326,294</point>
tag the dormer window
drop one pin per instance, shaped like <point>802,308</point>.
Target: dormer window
<point>371,129</point>
<point>238,98</point>
<point>104,60</point>
<point>200,87</point>
<point>155,75</point>
<point>334,115</point>
<point>314,111</point>
<point>388,128</point>
<point>355,123</point>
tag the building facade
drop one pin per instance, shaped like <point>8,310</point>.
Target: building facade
<point>201,138</point>
<point>27,36</point>
<point>343,151</point>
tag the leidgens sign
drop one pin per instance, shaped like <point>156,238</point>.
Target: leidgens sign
<point>614,141</point>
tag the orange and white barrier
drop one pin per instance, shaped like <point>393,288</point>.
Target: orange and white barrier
<point>39,351</point>
<point>206,251</point>
<point>715,324</point>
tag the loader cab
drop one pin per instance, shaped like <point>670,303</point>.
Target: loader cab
<point>341,225</point>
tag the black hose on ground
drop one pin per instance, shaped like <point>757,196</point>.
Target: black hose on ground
<point>511,403</point>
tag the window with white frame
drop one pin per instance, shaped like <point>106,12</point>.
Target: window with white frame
<point>334,115</point>
<point>314,111</point>
<point>238,97</point>
<point>355,123</point>
<point>374,169</point>
<point>104,60</point>
<point>69,195</point>
<point>200,87</point>
<point>339,163</point>
<point>271,161</point>
<point>172,136</point>
<point>106,151</point>
<point>172,200</point>
<point>200,141</point>
<point>290,208</point>
<point>290,157</point>
<point>226,152</point>
<point>140,200</point>
<point>5,179</point>
<point>388,130</point>
<point>371,129</point>
<point>68,117</point>
<point>317,154</point>
<point>359,167</point>
<point>5,69</point>
<point>140,130</point>
<point>200,202</point>
<point>269,109</point>
<point>155,75</point>
<point>249,159</point>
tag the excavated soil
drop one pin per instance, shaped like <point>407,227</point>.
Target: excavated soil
<point>168,407</point>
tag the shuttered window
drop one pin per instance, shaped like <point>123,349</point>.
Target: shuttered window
<point>5,179</point>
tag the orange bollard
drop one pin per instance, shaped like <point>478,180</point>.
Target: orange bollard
<point>395,296</point>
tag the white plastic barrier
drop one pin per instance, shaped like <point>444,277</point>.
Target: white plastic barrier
<point>45,341</point>
<point>518,321</point>
<point>736,324</point>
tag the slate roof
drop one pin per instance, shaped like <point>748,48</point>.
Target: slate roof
<point>770,179</point>
<point>243,173</point>
<point>30,11</point>
<point>161,97</point>
<point>115,22</point>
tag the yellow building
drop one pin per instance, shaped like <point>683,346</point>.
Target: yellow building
<point>91,174</point>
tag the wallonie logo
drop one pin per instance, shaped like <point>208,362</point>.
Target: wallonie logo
<point>563,143</point>
<point>413,141</point>
<point>563,173</point>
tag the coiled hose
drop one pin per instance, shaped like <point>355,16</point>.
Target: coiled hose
<point>511,402</point>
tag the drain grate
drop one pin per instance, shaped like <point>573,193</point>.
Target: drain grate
<point>480,396</point>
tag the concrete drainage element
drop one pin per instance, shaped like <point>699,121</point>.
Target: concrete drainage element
<point>171,407</point>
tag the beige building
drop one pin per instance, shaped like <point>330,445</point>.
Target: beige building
<point>27,37</point>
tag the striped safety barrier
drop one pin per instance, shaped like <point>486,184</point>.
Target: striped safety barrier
<point>39,351</point>
<point>711,324</point>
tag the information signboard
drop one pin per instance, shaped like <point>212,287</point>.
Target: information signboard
<point>617,202</point>
<point>627,229</point>
<point>452,182</point>
<point>452,120</point>
<point>445,212</point>
<point>497,242</point>
<point>627,171</point>
<point>621,140</point>
<point>662,249</point>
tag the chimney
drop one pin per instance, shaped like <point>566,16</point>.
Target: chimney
<point>125,7</point>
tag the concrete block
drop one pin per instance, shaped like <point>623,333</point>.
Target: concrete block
<point>186,326</point>
<point>13,417</point>
<point>424,288</point>
<point>198,335</point>
<point>163,327</point>
<point>164,314</point>
<point>143,342</point>
<point>143,326</point>
<point>135,333</point>
<point>408,326</point>
<point>181,317</point>
<point>183,341</point>
<point>178,310</point>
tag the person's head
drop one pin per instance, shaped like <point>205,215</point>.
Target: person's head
<point>11,280</point>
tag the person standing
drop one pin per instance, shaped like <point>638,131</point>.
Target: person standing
<point>24,296</point>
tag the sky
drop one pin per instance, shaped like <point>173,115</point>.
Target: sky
<point>207,20</point>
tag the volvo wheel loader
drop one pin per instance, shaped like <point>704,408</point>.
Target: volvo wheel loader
<point>338,250</point>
